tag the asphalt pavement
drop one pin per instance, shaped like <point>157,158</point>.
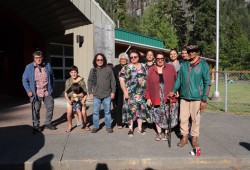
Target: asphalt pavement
<point>224,141</point>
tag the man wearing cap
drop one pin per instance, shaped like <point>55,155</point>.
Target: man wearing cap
<point>194,83</point>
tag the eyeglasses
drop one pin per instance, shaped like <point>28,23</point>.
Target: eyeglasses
<point>99,60</point>
<point>133,57</point>
<point>160,59</point>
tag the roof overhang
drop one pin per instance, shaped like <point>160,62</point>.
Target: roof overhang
<point>139,45</point>
<point>48,17</point>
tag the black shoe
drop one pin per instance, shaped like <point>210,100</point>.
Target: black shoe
<point>94,130</point>
<point>50,127</point>
<point>130,133</point>
<point>142,132</point>
<point>109,130</point>
<point>37,129</point>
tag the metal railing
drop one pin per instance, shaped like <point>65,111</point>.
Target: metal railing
<point>234,89</point>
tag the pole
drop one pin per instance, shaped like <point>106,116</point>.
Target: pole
<point>226,92</point>
<point>216,94</point>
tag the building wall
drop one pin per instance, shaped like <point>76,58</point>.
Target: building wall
<point>21,40</point>
<point>17,43</point>
<point>83,56</point>
<point>105,40</point>
<point>98,38</point>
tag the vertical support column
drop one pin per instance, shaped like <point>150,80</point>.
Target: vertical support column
<point>226,91</point>
<point>104,39</point>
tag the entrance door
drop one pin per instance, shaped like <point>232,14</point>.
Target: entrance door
<point>11,56</point>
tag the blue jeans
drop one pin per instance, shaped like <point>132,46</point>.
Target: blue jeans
<point>96,109</point>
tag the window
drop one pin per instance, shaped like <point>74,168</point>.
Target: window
<point>61,59</point>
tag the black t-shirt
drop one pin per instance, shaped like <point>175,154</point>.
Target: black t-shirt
<point>80,91</point>
<point>161,78</point>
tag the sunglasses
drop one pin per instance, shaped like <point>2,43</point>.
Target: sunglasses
<point>133,57</point>
<point>160,59</point>
<point>99,60</point>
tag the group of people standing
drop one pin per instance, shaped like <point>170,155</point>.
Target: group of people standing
<point>141,91</point>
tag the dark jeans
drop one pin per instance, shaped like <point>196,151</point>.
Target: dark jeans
<point>36,103</point>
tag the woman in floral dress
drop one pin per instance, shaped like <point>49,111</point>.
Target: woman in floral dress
<point>133,83</point>
<point>160,81</point>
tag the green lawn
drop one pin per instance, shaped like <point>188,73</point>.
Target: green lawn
<point>238,98</point>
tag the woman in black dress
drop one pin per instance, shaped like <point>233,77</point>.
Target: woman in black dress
<point>118,101</point>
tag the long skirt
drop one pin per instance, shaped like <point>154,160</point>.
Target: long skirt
<point>160,114</point>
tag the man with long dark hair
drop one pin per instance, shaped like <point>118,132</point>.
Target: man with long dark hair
<point>101,88</point>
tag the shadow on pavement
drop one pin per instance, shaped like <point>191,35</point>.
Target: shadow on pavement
<point>104,166</point>
<point>8,102</point>
<point>17,145</point>
<point>101,166</point>
<point>60,120</point>
<point>245,145</point>
<point>43,163</point>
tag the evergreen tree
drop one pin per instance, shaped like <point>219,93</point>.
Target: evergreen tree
<point>156,24</point>
<point>116,9</point>
<point>235,40</point>
<point>204,25</point>
<point>179,22</point>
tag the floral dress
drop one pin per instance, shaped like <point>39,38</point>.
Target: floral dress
<point>135,82</point>
<point>160,115</point>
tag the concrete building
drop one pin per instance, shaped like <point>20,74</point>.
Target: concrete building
<point>67,31</point>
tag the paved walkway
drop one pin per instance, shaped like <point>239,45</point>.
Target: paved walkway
<point>224,139</point>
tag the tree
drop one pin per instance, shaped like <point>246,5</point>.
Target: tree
<point>235,39</point>
<point>156,24</point>
<point>116,9</point>
<point>179,22</point>
<point>107,6</point>
<point>204,25</point>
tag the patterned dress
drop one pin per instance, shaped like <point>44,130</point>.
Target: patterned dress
<point>135,82</point>
<point>160,115</point>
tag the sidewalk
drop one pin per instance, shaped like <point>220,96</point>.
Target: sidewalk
<point>224,140</point>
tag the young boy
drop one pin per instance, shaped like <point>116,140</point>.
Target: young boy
<point>78,98</point>
<point>75,78</point>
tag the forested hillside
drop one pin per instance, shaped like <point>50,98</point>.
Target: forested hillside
<point>178,22</point>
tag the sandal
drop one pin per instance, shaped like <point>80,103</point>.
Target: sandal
<point>158,137</point>
<point>68,130</point>
<point>165,137</point>
<point>87,128</point>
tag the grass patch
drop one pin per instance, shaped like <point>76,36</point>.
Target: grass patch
<point>238,98</point>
